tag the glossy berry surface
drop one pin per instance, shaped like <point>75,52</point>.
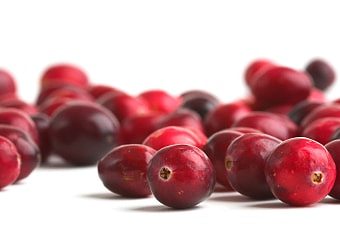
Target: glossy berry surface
<point>333,148</point>
<point>123,170</point>
<point>82,133</point>
<point>9,162</point>
<point>7,83</point>
<point>244,163</point>
<point>322,130</point>
<point>173,135</point>
<point>323,111</point>
<point>160,101</point>
<point>322,73</point>
<point>216,149</point>
<point>300,172</point>
<point>181,176</point>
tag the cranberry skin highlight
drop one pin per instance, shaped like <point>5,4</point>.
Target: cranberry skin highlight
<point>216,149</point>
<point>244,163</point>
<point>9,162</point>
<point>300,172</point>
<point>322,73</point>
<point>181,176</point>
<point>123,170</point>
<point>82,133</point>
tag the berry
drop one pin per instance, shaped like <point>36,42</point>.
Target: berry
<point>302,109</point>
<point>322,130</point>
<point>42,123</point>
<point>159,101</point>
<point>322,73</point>
<point>7,83</point>
<point>256,69</point>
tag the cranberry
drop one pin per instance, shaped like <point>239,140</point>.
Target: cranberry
<point>316,95</point>
<point>42,123</point>
<point>326,110</point>
<point>123,106</point>
<point>123,170</point>
<point>68,92</point>
<point>181,176</point>
<point>224,116</point>
<point>272,124</point>
<point>199,101</point>
<point>20,105</point>
<point>17,118</point>
<point>65,74</point>
<point>173,135</point>
<point>281,85</point>
<point>244,162</point>
<point>302,109</point>
<point>27,149</point>
<point>97,91</point>
<point>160,101</point>
<point>334,148</point>
<point>216,149</point>
<point>50,106</point>
<point>9,162</point>
<point>300,172</point>
<point>82,133</point>
<point>280,109</point>
<point>7,83</point>
<point>322,130</point>
<point>322,73</point>
<point>48,90</point>
<point>183,118</point>
<point>256,69</point>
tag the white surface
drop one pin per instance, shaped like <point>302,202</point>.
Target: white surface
<point>174,45</point>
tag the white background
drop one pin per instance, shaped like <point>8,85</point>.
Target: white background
<point>173,45</point>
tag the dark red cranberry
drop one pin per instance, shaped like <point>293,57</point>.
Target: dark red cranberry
<point>20,105</point>
<point>322,130</point>
<point>27,149</point>
<point>200,102</point>
<point>124,106</point>
<point>281,85</point>
<point>173,135</point>
<point>160,101</point>
<point>65,74</point>
<point>9,162</point>
<point>42,123</point>
<point>300,172</point>
<point>17,118</point>
<point>216,149</point>
<point>181,176</point>
<point>302,109</point>
<point>271,124</point>
<point>82,133</point>
<point>322,73</point>
<point>183,118</point>
<point>123,170</point>
<point>256,69</point>
<point>322,111</point>
<point>7,83</point>
<point>244,162</point>
<point>97,91</point>
<point>224,116</point>
<point>316,95</point>
<point>333,148</point>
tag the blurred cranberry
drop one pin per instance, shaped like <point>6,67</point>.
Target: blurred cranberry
<point>7,83</point>
<point>316,95</point>
<point>97,91</point>
<point>322,130</point>
<point>42,122</point>
<point>47,90</point>
<point>69,92</point>
<point>302,109</point>
<point>280,109</point>
<point>20,105</point>
<point>322,73</point>
<point>322,111</point>
<point>160,101</point>
<point>256,69</point>
<point>9,162</point>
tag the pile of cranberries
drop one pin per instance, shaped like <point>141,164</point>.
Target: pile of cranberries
<point>281,141</point>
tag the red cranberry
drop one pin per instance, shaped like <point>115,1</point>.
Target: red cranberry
<point>123,170</point>
<point>280,109</point>
<point>160,101</point>
<point>224,116</point>
<point>322,73</point>
<point>50,106</point>
<point>302,109</point>
<point>256,69</point>
<point>200,102</point>
<point>17,118</point>
<point>326,110</point>
<point>65,74</point>
<point>97,91</point>
<point>48,90</point>
<point>42,123</point>
<point>173,135</point>
<point>216,149</point>
<point>244,162</point>
<point>82,133</point>
<point>316,95</point>
<point>322,130</point>
<point>68,92</point>
<point>181,176</point>
<point>281,85</point>
<point>7,83</point>
<point>334,148</point>
<point>27,149</point>
<point>269,123</point>
<point>124,106</point>
<point>9,162</point>
<point>20,105</point>
<point>300,172</point>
